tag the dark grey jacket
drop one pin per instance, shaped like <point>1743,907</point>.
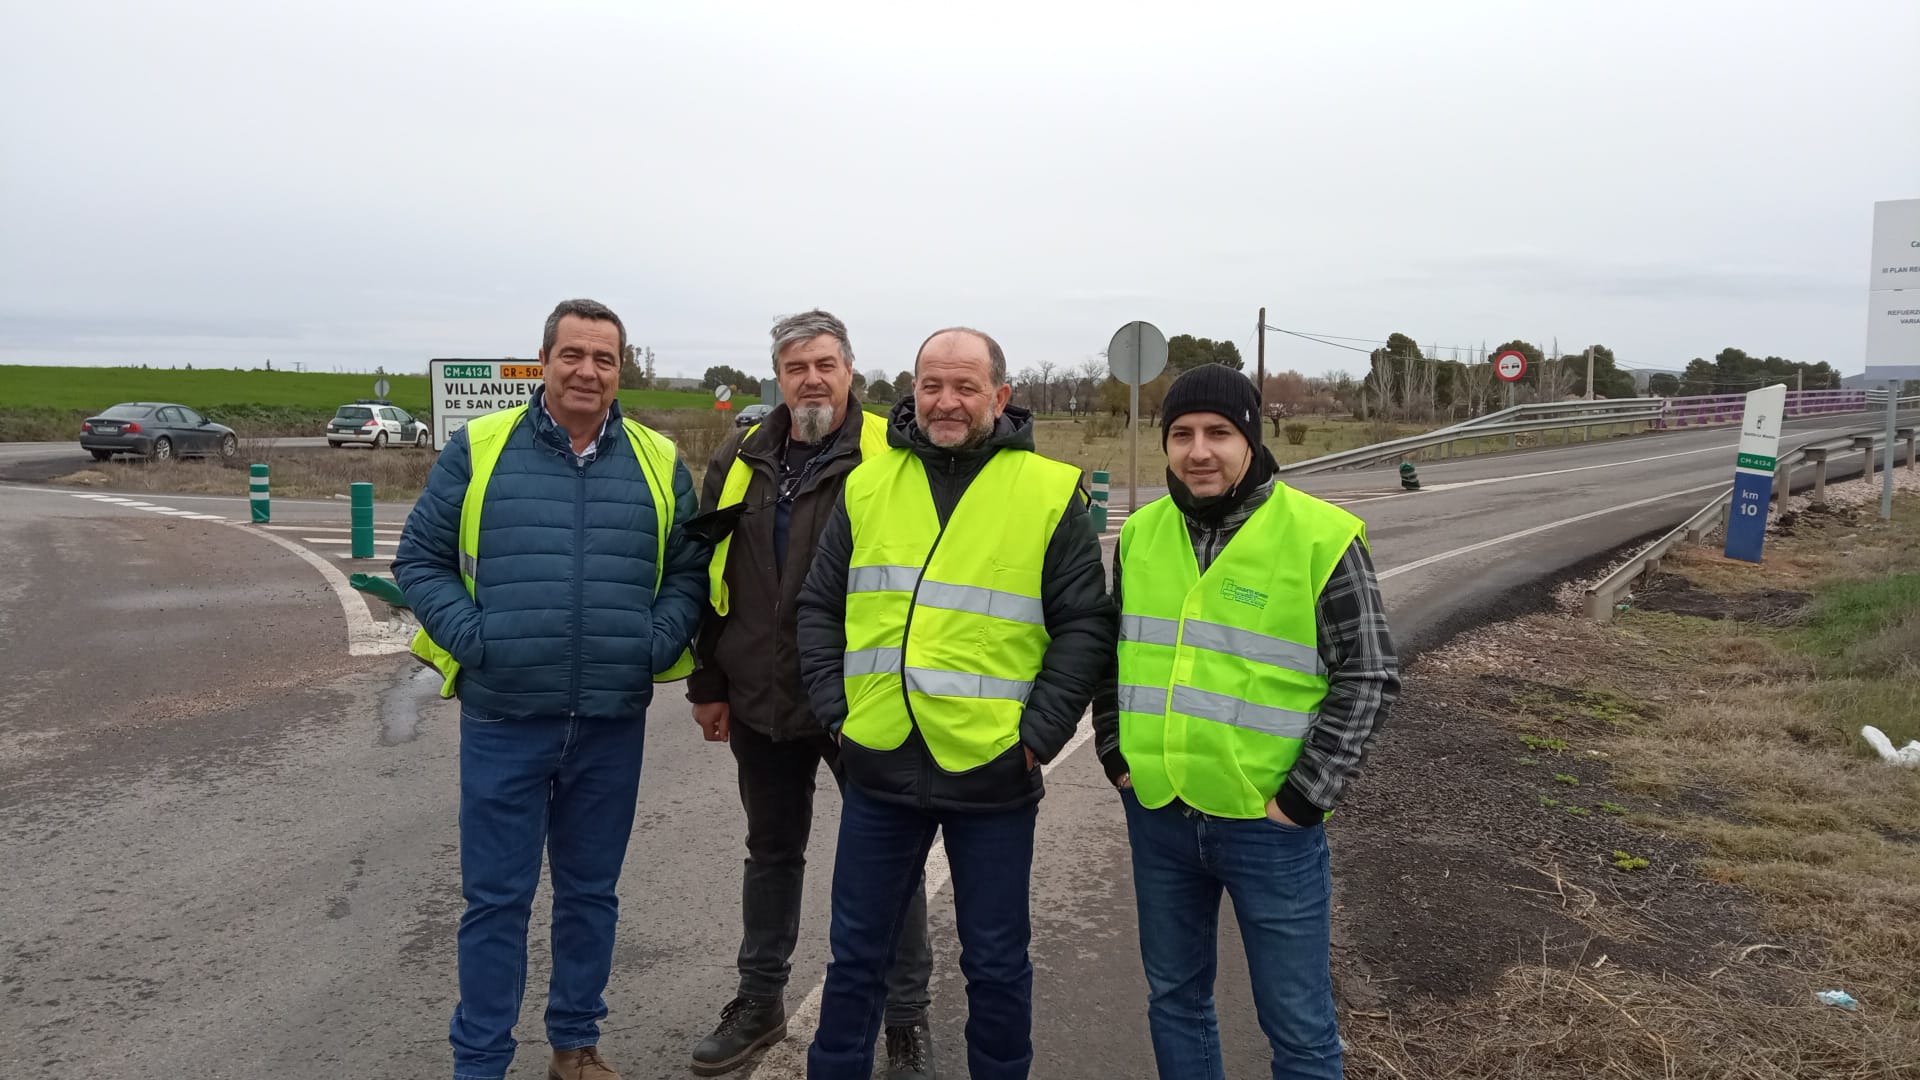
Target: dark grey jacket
<point>1080,618</point>
<point>747,658</point>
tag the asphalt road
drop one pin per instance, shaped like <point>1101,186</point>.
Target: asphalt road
<point>13,452</point>
<point>231,843</point>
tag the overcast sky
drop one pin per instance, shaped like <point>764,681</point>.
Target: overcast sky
<point>352,184</point>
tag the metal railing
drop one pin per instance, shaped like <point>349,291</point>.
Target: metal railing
<point>1710,410</point>
<point>1394,449</point>
<point>1604,596</point>
<point>1541,410</point>
<point>1659,414</point>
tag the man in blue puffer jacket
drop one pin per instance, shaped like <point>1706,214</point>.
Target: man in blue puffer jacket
<point>551,621</point>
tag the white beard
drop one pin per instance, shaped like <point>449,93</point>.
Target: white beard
<point>812,423</point>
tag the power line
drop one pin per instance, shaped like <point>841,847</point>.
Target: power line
<point>1335,344</point>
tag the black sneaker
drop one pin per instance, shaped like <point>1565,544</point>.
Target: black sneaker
<point>746,1025</point>
<point>910,1052</point>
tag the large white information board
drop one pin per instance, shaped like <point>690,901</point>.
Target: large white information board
<point>464,389</point>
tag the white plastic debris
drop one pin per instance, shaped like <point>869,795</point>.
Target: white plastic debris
<point>1908,755</point>
<point>1839,999</point>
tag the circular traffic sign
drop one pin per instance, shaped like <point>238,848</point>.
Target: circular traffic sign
<point>380,388</point>
<point>1510,365</point>
<point>1137,353</point>
<point>723,392</point>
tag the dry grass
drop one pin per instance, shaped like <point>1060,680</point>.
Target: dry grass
<point>295,473</point>
<point>1740,739</point>
<point>1594,1019</point>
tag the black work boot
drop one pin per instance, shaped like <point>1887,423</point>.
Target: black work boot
<point>746,1025</point>
<point>910,1051</point>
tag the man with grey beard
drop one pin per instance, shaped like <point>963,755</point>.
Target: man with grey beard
<point>768,495</point>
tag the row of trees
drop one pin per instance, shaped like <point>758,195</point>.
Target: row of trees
<point>1402,381</point>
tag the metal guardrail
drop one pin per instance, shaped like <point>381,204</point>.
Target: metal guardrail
<point>1659,413</point>
<point>1603,597</point>
<point>1543,409</point>
<point>1396,448</point>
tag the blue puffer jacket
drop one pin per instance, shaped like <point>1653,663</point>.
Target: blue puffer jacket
<point>563,621</point>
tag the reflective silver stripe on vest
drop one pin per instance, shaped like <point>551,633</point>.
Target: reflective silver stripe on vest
<point>1151,700</point>
<point>1148,630</point>
<point>881,661</point>
<point>965,684</point>
<point>882,578</point>
<point>1278,652</point>
<point>1225,709</point>
<point>470,565</point>
<point>982,601</point>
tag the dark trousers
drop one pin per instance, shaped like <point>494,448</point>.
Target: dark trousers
<point>883,852</point>
<point>776,788</point>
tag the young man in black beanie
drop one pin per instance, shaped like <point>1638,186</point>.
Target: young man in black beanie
<point>1254,668</point>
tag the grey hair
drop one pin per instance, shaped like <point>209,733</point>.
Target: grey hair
<point>999,358</point>
<point>586,309</point>
<point>804,327</point>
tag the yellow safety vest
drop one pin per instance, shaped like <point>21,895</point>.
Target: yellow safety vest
<point>873,443</point>
<point>486,438</point>
<point>945,627</point>
<point>1220,673</point>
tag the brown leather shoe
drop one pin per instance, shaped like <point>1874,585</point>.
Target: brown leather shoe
<point>581,1064</point>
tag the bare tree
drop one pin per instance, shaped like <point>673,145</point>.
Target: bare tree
<point>1046,368</point>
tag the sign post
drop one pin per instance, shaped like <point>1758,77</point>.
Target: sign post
<point>380,388</point>
<point>1753,472</point>
<point>1893,314</point>
<point>1137,354</point>
<point>464,389</point>
<point>1510,367</point>
<point>723,397</point>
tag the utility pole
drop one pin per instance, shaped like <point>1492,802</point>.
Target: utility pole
<point>1406,390</point>
<point>1260,369</point>
<point>1589,373</point>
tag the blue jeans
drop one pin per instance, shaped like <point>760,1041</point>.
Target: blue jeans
<point>569,785</point>
<point>876,873</point>
<point>1282,889</point>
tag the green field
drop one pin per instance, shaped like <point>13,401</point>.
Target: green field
<point>48,403</point>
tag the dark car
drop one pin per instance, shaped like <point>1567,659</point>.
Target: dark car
<point>752,414</point>
<point>156,430</point>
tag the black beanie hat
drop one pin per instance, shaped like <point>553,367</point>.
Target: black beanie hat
<point>1213,388</point>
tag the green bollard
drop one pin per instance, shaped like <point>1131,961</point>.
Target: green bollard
<point>257,494</point>
<point>362,520</point>
<point>1100,495</point>
<point>1409,476</point>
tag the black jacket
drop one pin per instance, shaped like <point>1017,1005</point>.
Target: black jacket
<point>1081,621</point>
<point>747,658</point>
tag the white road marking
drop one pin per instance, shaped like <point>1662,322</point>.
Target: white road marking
<point>789,1057</point>
<point>377,528</point>
<point>190,515</point>
<point>1523,533</point>
<point>1577,468</point>
<point>344,540</point>
<point>364,636</point>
